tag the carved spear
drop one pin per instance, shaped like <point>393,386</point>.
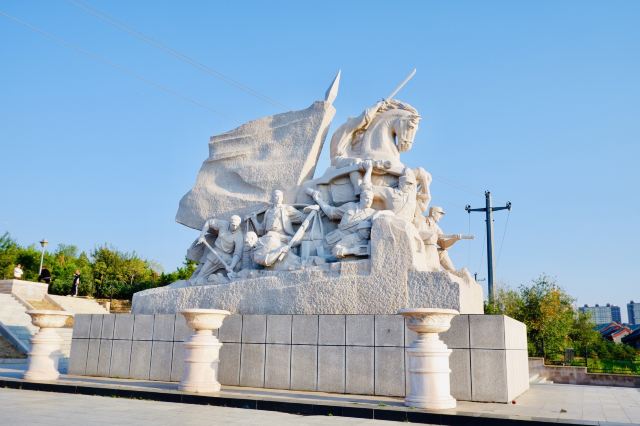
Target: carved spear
<point>401,85</point>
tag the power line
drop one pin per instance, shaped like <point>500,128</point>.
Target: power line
<point>484,236</point>
<point>173,52</point>
<point>504,234</point>
<point>455,185</point>
<point>121,68</point>
<point>469,245</point>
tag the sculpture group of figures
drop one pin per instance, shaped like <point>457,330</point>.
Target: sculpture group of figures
<point>331,218</point>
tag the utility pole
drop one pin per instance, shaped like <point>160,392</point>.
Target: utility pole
<point>489,209</point>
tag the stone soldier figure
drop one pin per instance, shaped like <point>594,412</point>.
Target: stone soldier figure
<point>278,217</point>
<point>268,251</point>
<point>227,248</point>
<point>437,243</point>
<point>355,244</point>
<point>349,214</point>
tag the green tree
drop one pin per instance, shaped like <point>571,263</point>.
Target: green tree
<point>105,272</point>
<point>546,310</point>
<point>582,335</point>
<point>9,250</point>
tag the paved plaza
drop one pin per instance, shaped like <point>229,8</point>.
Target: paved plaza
<point>21,407</point>
<point>592,405</point>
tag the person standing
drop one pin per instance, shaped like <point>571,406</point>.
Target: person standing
<point>17,272</point>
<point>76,283</point>
<point>45,275</point>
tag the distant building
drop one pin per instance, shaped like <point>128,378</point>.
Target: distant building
<point>633,339</point>
<point>603,314</point>
<point>614,332</point>
<point>633,311</point>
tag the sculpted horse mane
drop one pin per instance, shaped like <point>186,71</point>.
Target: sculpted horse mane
<point>381,132</point>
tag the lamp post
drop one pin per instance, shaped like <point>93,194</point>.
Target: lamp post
<point>43,244</point>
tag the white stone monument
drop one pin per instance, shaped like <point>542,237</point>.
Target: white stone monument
<point>314,268</point>
<point>358,239</point>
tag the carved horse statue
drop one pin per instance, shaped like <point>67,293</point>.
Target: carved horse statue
<point>380,133</point>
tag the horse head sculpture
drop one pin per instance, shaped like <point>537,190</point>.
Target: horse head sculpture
<point>380,133</point>
<point>399,121</point>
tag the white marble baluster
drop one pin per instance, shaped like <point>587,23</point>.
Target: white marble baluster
<point>428,364</point>
<point>45,345</point>
<point>202,350</point>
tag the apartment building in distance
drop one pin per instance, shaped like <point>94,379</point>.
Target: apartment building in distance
<point>603,314</point>
<point>633,312</point>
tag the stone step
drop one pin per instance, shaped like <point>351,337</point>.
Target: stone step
<point>13,315</point>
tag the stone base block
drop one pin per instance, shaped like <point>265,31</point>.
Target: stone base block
<point>340,288</point>
<point>358,354</point>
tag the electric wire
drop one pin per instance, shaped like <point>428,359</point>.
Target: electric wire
<point>504,233</point>
<point>173,52</point>
<point>61,41</point>
<point>455,185</point>
<point>484,238</point>
<point>469,245</point>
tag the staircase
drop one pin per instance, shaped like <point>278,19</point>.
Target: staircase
<point>16,321</point>
<point>536,379</point>
<point>78,305</point>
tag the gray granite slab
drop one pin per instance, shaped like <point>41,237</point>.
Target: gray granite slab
<point>304,367</point>
<point>488,375</point>
<point>331,369</point>
<point>304,330</point>
<point>143,327</point>
<point>460,365</point>
<point>359,330</point>
<point>229,366</point>
<point>177,361</point>
<point>163,327</point>
<point>277,371</point>
<point>254,328</point>
<point>81,326</point>
<point>104,359</point>
<point>108,324</point>
<point>457,337</point>
<point>161,354</point>
<point>389,371</point>
<point>389,330</point>
<point>96,326</point>
<point>182,331</point>
<point>120,358</point>
<point>78,357</point>
<point>140,359</point>
<point>279,329</point>
<point>123,327</point>
<point>252,364</point>
<point>92,357</point>
<point>359,370</point>
<point>486,331</point>
<point>231,329</point>
<point>332,329</point>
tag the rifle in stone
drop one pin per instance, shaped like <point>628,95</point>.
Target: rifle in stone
<point>300,232</point>
<point>230,271</point>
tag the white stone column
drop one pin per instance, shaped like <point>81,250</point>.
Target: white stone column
<point>202,350</point>
<point>428,363</point>
<point>45,345</point>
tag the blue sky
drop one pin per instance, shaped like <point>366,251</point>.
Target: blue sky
<point>537,101</point>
